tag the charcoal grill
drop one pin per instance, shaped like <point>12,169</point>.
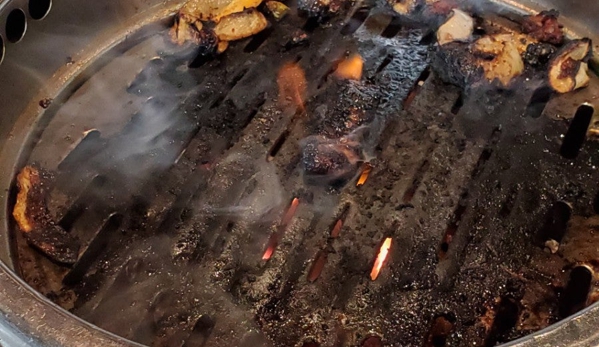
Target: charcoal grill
<point>183,182</point>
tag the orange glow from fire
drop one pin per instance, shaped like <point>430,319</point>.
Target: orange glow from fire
<point>337,229</point>
<point>364,176</point>
<point>274,238</point>
<point>292,86</point>
<point>380,259</point>
<point>270,248</point>
<point>290,212</point>
<point>350,68</point>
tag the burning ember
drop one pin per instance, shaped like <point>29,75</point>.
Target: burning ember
<point>273,241</point>
<point>292,87</point>
<point>367,168</point>
<point>350,68</point>
<point>380,259</point>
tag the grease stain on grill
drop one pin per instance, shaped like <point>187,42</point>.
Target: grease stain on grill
<point>356,21</point>
<point>576,135</point>
<point>538,101</point>
<point>393,28</point>
<point>556,222</point>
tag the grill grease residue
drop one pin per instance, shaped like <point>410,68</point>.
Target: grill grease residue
<point>204,223</point>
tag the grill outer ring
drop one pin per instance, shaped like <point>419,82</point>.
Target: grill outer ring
<point>29,319</point>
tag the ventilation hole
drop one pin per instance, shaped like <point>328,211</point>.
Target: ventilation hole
<point>428,38</point>
<point>91,143</point>
<point>372,341</point>
<point>38,9</point>
<point>388,59</point>
<point>596,204</point>
<point>538,101</point>
<point>2,50</point>
<point>576,294</point>
<point>393,28</point>
<point>411,191</point>
<point>16,25</point>
<point>276,147</point>
<point>317,265</point>
<point>258,39</point>
<point>217,102</point>
<point>355,21</point>
<point>416,88</point>
<point>506,318</point>
<point>81,204</point>
<point>457,105</point>
<point>255,109</point>
<point>453,226</point>
<point>94,249</point>
<point>576,134</point>
<point>338,224</point>
<point>556,223</point>
<point>440,330</point>
<point>311,25</point>
<point>204,326</point>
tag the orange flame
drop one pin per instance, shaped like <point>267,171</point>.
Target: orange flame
<point>273,241</point>
<point>270,248</point>
<point>367,168</point>
<point>380,259</point>
<point>290,212</point>
<point>292,86</point>
<point>350,68</point>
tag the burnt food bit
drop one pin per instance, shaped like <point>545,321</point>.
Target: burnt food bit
<point>538,54</point>
<point>321,9</point>
<point>34,221</point>
<point>544,27</point>
<point>454,64</point>
<point>568,70</point>
<point>329,162</point>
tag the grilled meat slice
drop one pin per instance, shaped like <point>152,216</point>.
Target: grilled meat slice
<point>34,221</point>
<point>544,27</point>
<point>240,25</point>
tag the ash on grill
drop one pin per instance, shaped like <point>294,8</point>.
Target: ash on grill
<point>318,184</point>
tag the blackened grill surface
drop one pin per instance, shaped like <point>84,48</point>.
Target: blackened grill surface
<point>173,237</point>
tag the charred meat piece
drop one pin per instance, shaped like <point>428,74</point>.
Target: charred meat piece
<point>321,9</point>
<point>330,162</point>
<point>544,27</point>
<point>454,64</point>
<point>34,221</point>
<point>568,70</point>
<point>538,54</point>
